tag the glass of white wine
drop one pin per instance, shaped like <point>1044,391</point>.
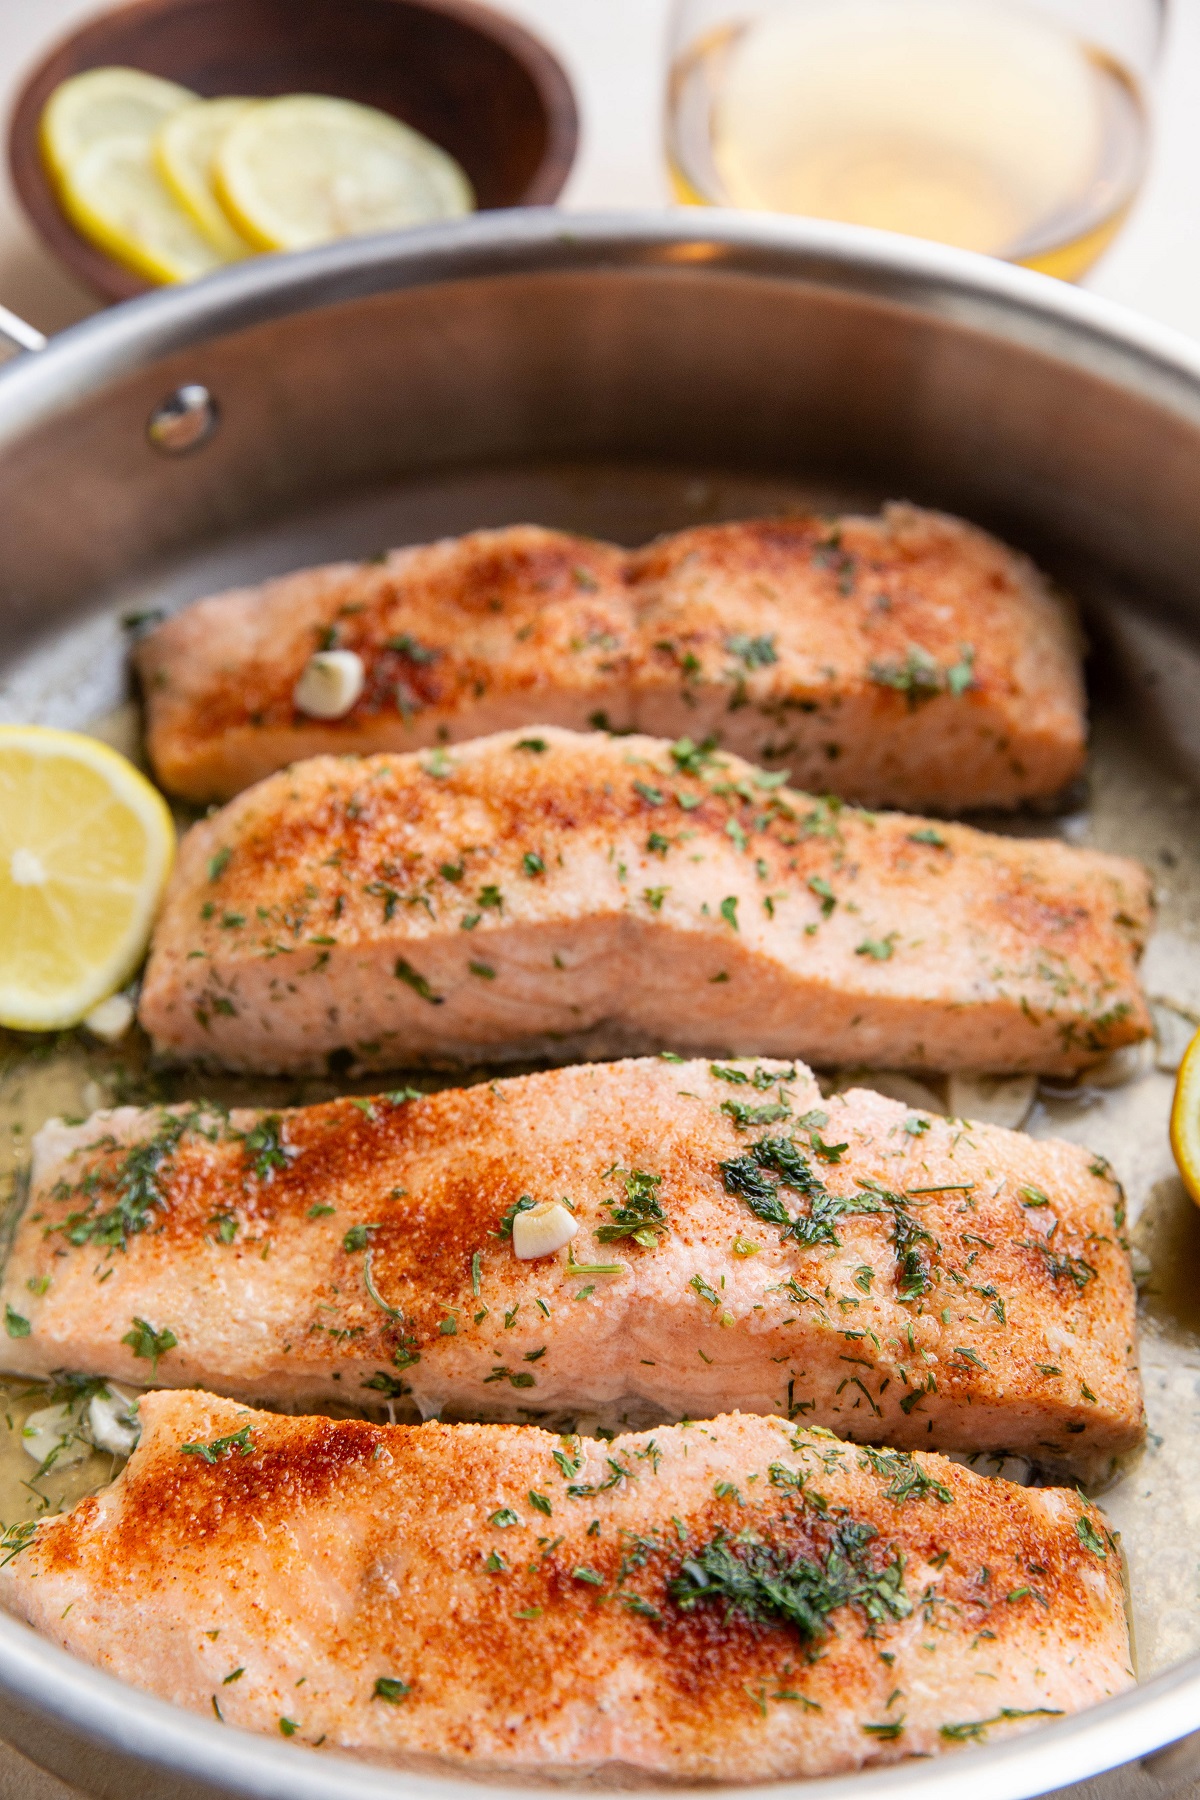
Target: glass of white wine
<point>1016,127</point>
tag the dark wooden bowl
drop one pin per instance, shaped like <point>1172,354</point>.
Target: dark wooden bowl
<point>470,79</point>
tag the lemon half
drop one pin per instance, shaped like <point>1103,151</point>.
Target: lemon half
<point>307,169</point>
<point>184,147</point>
<point>86,845</point>
<point>100,104</point>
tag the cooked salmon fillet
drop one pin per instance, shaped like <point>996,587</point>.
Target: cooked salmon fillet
<point>735,1601</point>
<point>551,893</point>
<point>902,1278</point>
<point>905,660</point>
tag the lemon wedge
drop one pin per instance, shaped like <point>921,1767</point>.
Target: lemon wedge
<point>114,195</point>
<point>1185,1119</point>
<point>100,104</point>
<point>184,146</point>
<point>306,169</point>
<point>86,845</point>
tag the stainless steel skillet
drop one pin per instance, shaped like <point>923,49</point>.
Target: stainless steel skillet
<point>623,374</point>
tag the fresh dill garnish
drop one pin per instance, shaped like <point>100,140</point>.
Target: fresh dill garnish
<point>238,1443</point>
<point>752,652</point>
<point>972,1730</point>
<point>770,1586</point>
<point>136,1184</point>
<point>412,978</point>
<point>1058,1267</point>
<point>265,1149</point>
<point>640,1216</point>
<point>17,1538</point>
<point>906,1480</point>
<point>1090,1538</point>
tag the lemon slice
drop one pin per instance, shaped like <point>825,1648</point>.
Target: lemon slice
<point>86,845</point>
<point>115,196</point>
<point>1185,1119</point>
<point>306,169</point>
<point>104,103</point>
<point>184,146</point>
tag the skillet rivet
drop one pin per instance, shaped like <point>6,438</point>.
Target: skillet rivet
<point>184,420</point>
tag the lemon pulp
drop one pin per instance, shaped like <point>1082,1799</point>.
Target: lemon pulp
<point>86,845</point>
<point>184,147</point>
<point>100,104</point>
<point>307,169</point>
<point>115,195</point>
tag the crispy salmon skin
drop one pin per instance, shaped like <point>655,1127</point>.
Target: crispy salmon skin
<point>906,660</point>
<point>741,1600</point>
<point>546,893</point>
<point>741,1243</point>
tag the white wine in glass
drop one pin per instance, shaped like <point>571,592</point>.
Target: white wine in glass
<point>1017,130</point>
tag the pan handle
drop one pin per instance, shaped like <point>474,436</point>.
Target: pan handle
<point>16,332</point>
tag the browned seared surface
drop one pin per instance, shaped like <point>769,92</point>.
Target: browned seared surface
<point>906,660</point>
<point>901,1278</point>
<point>549,893</point>
<point>738,1601</point>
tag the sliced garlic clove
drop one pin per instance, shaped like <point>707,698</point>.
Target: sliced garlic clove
<point>112,1420</point>
<point>992,1099</point>
<point>51,1431</point>
<point>110,1019</point>
<point>331,683</point>
<point>542,1230</point>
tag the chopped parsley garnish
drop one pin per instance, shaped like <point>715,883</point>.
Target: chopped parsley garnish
<point>218,864</point>
<point>820,887</point>
<point>879,949</point>
<point>148,1343</point>
<point>728,910</point>
<point>503,1517</point>
<point>391,1689</point>
<point>745,1116</point>
<point>651,795</point>
<point>538,746</point>
<point>690,758</point>
<point>533,864</point>
<point>15,1323</point>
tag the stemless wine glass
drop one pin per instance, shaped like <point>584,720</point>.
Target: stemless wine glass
<point>1018,129</point>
